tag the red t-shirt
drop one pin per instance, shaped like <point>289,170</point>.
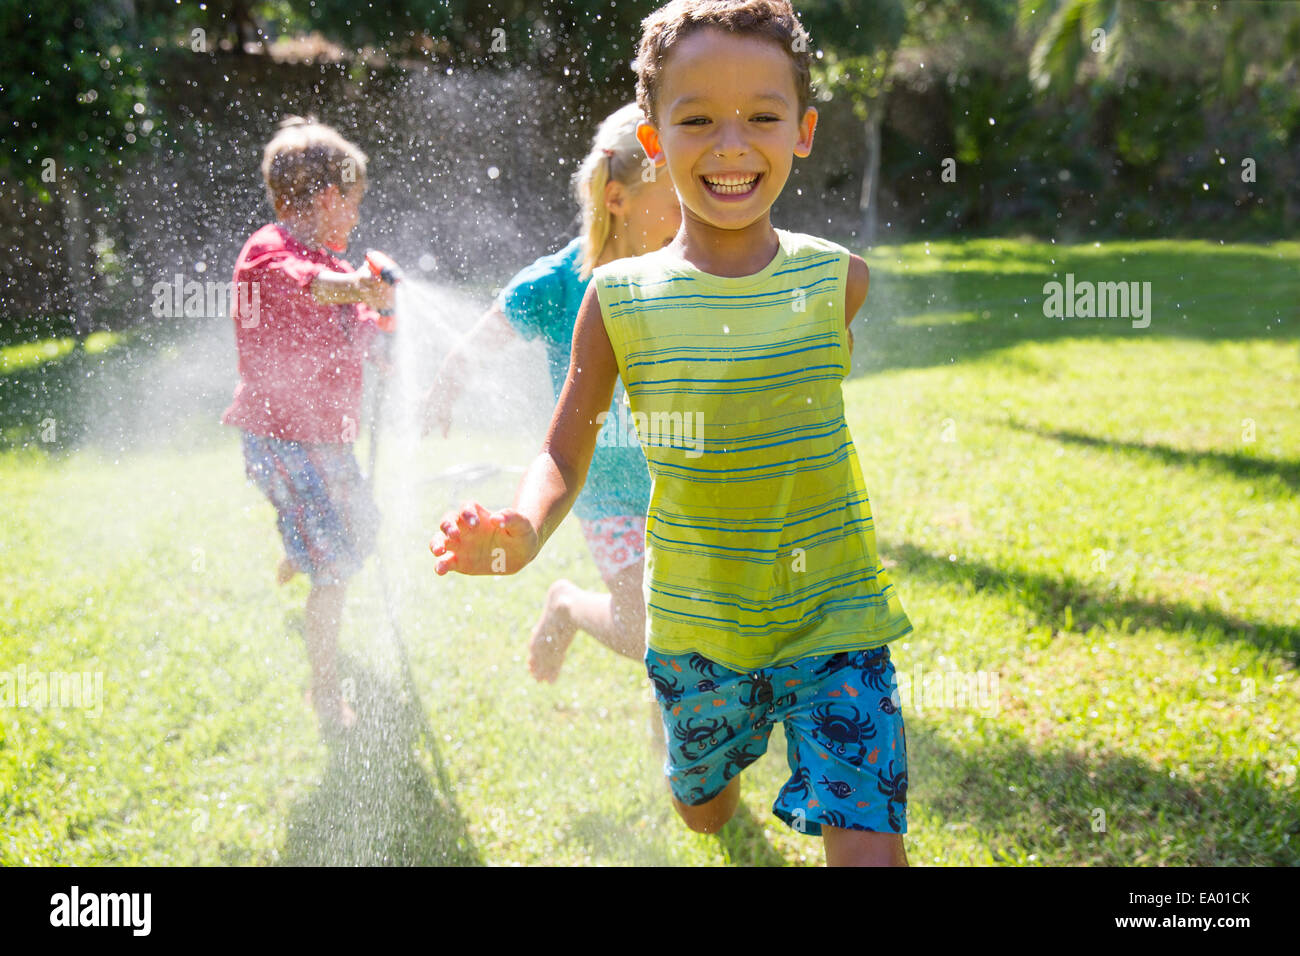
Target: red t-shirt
<point>299,360</point>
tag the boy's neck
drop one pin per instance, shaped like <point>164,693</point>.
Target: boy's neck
<point>731,253</point>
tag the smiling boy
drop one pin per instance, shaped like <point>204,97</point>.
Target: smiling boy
<point>766,598</point>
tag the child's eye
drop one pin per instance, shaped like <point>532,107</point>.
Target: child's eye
<point>768,118</point>
<point>694,121</point>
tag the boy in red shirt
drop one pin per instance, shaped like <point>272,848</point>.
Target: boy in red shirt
<point>304,323</point>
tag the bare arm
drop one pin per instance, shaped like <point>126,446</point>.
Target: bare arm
<point>560,471</point>
<point>855,292</point>
<point>491,334</point>
<point>493,331</point>
<point>345,288</point>
<point>476,541</point>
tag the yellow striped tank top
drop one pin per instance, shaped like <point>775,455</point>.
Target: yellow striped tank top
<point>759,542</point>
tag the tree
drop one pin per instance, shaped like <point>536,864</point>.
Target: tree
<point>856,46</point>
<point>74,102</point>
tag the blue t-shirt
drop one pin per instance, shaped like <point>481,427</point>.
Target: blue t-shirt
<point>543,301</point>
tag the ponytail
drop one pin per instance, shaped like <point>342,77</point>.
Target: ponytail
<point>616,156</point>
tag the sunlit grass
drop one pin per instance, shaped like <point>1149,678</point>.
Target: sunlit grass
<point>30,354</point>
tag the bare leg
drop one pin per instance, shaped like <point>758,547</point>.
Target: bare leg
<point>863,848</point>
<point>710,817</point>
<point>324,615</point>
<point>616,619</point>
<point>286,571</point>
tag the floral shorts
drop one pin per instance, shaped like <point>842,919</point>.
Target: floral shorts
<point>324,512</point>
<point>616,543</point>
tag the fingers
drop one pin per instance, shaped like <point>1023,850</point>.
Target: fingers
<point>446,559</point>
<point>471,515</point>
<point>450,529</point>
<point>444,544</point>
<point>443,565</point>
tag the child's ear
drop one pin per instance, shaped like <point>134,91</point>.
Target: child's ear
<point>648,136</point>
<point>615,197</point>
<point>807,126</point>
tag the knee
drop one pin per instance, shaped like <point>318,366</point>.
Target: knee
<point>712,816</point>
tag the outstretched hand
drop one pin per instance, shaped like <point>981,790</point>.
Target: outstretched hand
<point>477,541</point>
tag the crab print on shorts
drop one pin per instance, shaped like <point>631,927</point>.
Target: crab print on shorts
<point>845,741</point>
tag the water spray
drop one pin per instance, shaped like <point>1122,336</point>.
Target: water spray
<point>382,267</point>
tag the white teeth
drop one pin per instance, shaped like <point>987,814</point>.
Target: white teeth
<point>731,184</point>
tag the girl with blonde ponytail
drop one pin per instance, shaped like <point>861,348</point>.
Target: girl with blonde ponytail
<point>628,208</point>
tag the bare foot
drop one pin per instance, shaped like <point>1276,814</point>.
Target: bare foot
<point>337,719</point>
<point>553,633</point>
<point>286,572</point>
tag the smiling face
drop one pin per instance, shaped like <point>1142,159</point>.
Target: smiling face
<point>728,127</point>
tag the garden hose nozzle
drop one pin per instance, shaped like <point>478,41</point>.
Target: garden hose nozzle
<point>382,267</point>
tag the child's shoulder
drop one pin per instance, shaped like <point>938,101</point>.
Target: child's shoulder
<point>269,238</point>
<point>270,244</point>
<point>553,266</point>
<point>802,243</point>
<point>545,278</point>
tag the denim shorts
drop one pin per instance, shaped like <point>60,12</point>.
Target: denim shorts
<point>845,741</point>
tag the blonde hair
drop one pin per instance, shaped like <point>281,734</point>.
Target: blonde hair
<point>616,156</point>
<point>306,157</point>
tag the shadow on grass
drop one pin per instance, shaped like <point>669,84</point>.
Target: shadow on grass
<point>605,836</point>
<point>1236,464</point>
<point>1049,598</point>
<point>745,843</point>
<point>1024,800</point>
<point>742,839</point>
<point>380,803</point>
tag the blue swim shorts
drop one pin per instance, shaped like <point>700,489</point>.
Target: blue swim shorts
<point>845,741</point>
<point>324,510</point>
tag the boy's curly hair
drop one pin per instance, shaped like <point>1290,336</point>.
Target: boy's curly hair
<point>769,19</point>
<point>306,157</point>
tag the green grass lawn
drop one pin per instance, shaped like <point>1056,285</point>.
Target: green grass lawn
<point>1102,520</point>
